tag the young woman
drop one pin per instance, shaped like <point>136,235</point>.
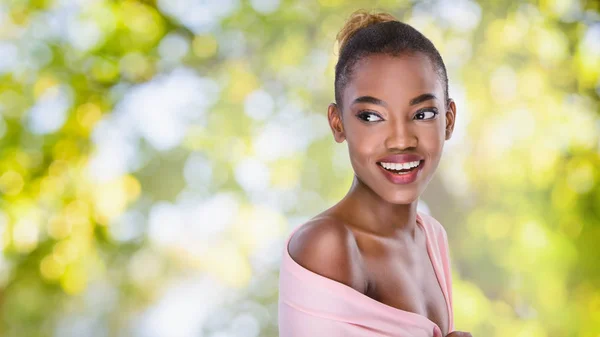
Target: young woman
<point>371,265</point>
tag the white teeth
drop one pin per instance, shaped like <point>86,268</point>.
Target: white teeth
<point>400,166</point>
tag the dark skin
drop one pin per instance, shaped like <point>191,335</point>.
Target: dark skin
<point>370,240</point>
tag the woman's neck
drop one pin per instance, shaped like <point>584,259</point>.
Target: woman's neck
<point>369,212</point>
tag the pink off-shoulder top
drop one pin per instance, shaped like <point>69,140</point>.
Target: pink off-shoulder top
<point>311,305</point>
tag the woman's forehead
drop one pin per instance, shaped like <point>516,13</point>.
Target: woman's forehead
<point>393,77</point>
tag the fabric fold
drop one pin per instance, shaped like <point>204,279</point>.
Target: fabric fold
<point>311,305</point>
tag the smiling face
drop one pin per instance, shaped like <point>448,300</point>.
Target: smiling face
<point>395,120</point>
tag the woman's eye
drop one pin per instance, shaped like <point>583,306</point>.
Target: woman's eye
<point>369,117</point>
<point>428,114</point>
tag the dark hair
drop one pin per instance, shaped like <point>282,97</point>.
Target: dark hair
<point>366,34</point>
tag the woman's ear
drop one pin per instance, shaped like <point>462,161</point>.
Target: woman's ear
<point>450,117</point>
<point>334,115</point>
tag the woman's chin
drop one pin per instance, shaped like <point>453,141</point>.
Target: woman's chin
<point>401,198</point>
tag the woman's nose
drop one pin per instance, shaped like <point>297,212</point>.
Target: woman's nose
<point>401,137</point>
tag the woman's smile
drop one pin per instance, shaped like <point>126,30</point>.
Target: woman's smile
<point>405,175</point>
<point>401,168</point>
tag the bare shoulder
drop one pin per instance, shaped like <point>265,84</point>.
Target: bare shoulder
<point>326,246</point>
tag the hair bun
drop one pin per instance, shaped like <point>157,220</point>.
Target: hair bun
<point>358,20</point>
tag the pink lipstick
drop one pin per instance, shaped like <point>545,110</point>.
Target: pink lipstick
<point>401,168</point>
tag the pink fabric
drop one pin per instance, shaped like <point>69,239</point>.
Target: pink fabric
<point>311,305</point>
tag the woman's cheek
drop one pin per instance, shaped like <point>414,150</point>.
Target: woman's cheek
<point>432,139</point>
<point>361,151</point>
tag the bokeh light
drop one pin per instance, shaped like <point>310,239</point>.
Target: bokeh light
<point>155,155</point>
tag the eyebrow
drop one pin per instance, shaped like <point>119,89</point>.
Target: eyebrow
<point>370,99</point>
<point>422,98</point>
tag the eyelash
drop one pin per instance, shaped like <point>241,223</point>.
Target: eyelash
<point>422,111</point>
<point>366,113</point>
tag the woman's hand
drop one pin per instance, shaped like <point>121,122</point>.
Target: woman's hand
<point>459,334</point>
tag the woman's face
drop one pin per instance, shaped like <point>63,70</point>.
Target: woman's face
<point>395,121</point>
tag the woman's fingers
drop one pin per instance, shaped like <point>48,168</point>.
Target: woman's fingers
<point>459,334</point>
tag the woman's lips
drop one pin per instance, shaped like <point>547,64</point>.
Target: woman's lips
<point>402,178</point>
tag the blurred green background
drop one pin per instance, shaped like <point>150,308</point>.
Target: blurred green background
<point>155,154</point>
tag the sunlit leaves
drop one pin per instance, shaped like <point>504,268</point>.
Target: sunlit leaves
<point>155,149</point>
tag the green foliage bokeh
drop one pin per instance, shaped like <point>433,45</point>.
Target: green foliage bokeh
<point>518,188</point>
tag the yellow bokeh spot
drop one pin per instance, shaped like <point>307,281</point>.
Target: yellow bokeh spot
<point>285,174</point>
<point>74,279</point>
<point>588,66</point>
<point>531,82</point>
<point>533,236</point>
<point>328,29</point>
<point>256,227</point>
<point>583,132</point>
<point>554,286</point>
<point>434,34</point>
<point>290,52</point>
<point>101,219</point>
<point>532,329</point>
<point>4,233</point>
<point>497,226</point>
<point>470,304</point>
<point>550,44</point>
<point>104,70</point>
<point>513,32</point>
<point>111,198</point>
<point>103,15</point>
<point>81,240</point>
<point>330,3</point>
<point>28,159</point>
<point>50,187</point>
<point>196,138</point>
<point>204,46</point>
<point>503,84</point>
<point>337,191</point>
<point>242,82</point>
<point>145,267</point>
<point>88,114</point>
<point>542,162</point>
<point>58,168</point>
<point>132,187</point>
<point>136,66</point>
<point>43,84</point>
<point>563,198</point>
<point>58,227</point>
<point>572,229</point>
<point>557,7</point>
<point>66,251</point>
<point>20,15</point>
<point>226,262</point>
<point>141,19</point>
<point>11,183</point>
<point>65,149</point>
<point>25,235</point>
<point>495,32</point>
<point>145,25</point>
<point>502,308</point>
<point>77,213</point>
<point>593,303</point>
<point>50,268</point>
<point>580,176</point>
